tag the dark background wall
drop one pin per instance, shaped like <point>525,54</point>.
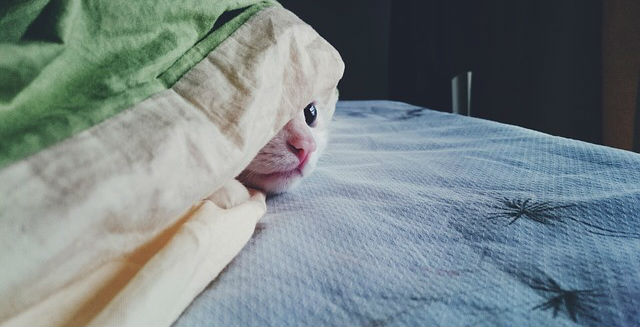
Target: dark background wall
<point>535,63</point>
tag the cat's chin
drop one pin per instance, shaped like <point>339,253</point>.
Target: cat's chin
<point>273,183</point>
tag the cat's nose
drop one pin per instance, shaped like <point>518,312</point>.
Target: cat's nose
<point>302,145</point>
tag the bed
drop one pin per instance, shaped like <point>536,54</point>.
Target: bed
<point>418,217</point>
<point>120,141</point>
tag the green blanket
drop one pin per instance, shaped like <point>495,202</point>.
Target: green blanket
<point>66,65</point>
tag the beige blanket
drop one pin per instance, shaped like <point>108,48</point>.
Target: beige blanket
<point>125,223</point>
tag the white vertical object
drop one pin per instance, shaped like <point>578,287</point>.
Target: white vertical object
<point>461,94</point>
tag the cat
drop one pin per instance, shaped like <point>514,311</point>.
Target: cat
<point>290,155</point>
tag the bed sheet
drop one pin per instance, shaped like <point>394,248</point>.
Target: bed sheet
<point>417,217</point>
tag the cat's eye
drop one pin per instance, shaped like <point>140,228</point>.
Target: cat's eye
<point>310,114</point>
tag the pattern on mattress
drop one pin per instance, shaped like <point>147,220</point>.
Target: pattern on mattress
<point>416,217</point>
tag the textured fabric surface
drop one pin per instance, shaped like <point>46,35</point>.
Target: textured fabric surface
<point>416,217</point>
<point>93,229</point>
<point>67,65</point>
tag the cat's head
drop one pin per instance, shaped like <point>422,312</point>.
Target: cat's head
<point>292,154</point>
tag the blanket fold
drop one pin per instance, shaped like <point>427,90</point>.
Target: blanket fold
<point>125,222</point>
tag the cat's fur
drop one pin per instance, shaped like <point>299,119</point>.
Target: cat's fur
<point>290,156</point>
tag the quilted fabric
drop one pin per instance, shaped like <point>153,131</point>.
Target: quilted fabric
<point>416,217</point>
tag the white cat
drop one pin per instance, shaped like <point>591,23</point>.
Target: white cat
<point>291,155</point>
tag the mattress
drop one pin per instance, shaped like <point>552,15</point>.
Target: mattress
<point>417,217</point>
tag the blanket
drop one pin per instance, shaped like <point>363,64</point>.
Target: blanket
<point>67,65</point>
<point>118,202</point>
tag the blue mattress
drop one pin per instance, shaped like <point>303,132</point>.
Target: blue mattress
<point>417,217</point>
